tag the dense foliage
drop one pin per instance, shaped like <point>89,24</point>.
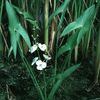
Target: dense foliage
<point>49,49</point>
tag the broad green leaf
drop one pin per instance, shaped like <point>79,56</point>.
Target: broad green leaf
<point>80,22</point>
<point>69,45</point>
<point>72,26</point>
<point>86,27</point>
<point>21,31</point>
<point>84,22</point>
<point>82,33</point>
<point>13,41</point>
<point>69,71</point>
<point>12,23</point>
<point>61,78</point>
<point>88,19</point>
<point>59,9</point>
<point>26,15</point>
<point>13,20</point>
<point>15,29</point>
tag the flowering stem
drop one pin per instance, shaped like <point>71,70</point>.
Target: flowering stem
<point>45,90</point>
<point>33,78</point>
<point>29,69</point>
<point>46,21</point>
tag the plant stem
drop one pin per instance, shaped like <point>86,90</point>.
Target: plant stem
<point>33,78</point>
<point>46,21</point>
<point>45,85</point>
<point>98,59</point>
<point>29,69</point>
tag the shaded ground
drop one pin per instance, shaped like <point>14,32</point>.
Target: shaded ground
<point>13,78</point>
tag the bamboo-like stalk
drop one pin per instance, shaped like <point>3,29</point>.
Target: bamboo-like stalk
<point>25,8</point>
<point>53,28</point>
<point>46,8</point>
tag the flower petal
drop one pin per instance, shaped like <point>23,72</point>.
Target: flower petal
<point>46,57</point>
<point>44,65</point>
<point>42,47</point>
<point>39,68</point>
<point>40,65</point>
<point>33,48</point>
<point>34,60</point>
<point>39,62</point>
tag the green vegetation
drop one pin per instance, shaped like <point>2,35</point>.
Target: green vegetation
<point>49,49</point>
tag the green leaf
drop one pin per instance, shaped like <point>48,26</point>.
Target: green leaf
<point>84,22</point>
<point>15,29</point>
<point>59,9</point>
<point>69,45</point>
<point>80,22</point>
<point>25,14</point>
<point>13,20</point>
<point>21,31</point>
<point>61,78</point>
<point>85,28</point>
<point>72,26</point>
<point>88,19</point>
<point>13,41</point>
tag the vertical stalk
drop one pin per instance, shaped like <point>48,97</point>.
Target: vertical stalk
<point>53,28</point>
<point>76,47</point>
<point>46,21</point>
<point>45,86</point>
<point>1,44</point>
<point>1,10</point>
<point>98,59</point>
<point>1,39</point>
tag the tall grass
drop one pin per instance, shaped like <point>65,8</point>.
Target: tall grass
<point>1,40</point>
<point>67,28</point>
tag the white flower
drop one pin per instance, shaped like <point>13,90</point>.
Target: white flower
<point>41,65</point>
<point>44,65</point>
<point>42,47</point>
<point>46,57</point>
<point>33,48</point>
<point>39,68</point>
<point>34,60</point>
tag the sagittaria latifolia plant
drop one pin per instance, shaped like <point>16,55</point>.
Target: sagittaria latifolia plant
<point>66,29</point>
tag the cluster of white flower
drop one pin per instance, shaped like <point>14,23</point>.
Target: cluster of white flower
<point>40,65</point>
<point>42,47</point>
